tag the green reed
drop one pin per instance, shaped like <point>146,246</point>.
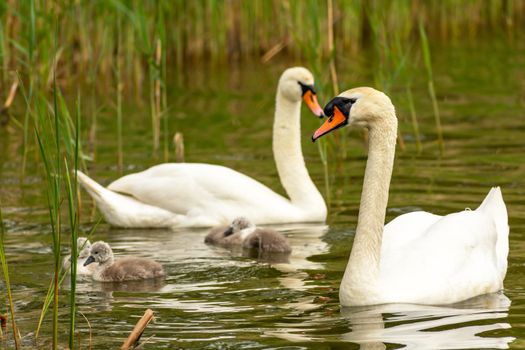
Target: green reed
<point>201,30</point>
<point>5,270</point>
<point>58,140</point>
<point>73,213</point>
<point>164,38</point>
<point>394,57</point>
<point>63,274</point>
<point>430,84</point>
<point>53,175</point>
<point>119,88</point>
<point>3,55</point>
<point>413,117</point>
<point>162,64</point>
<point>50,138</point>
<point>31,38</point>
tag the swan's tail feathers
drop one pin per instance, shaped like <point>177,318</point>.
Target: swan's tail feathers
<point>494,206</point>
<point>94,189</point>
<point>124,211</point>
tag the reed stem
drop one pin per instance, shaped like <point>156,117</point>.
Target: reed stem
<point>413,116</point>
<point>430,85</point>
<point>5,269</point>
<point>120,154</point>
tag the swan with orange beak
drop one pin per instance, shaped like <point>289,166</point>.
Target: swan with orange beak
<point>418,257</point>
<point>204,195</point>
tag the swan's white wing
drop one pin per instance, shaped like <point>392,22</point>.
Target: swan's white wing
<point>494,206</point>
<point>406,228</point>
<point>456,257</point>
<point>202,189</point>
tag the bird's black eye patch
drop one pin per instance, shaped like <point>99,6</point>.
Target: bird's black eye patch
<point>342,103</point>
<point>305,88</point>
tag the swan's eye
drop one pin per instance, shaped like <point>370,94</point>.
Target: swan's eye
<point>305,88</point>
<point>95,253</point>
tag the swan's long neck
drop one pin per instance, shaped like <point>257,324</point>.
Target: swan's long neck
<point>362,270</point>
<point>289,157</point>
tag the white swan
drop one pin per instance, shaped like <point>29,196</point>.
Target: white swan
<point>418,257</point>
<point>192,194</point>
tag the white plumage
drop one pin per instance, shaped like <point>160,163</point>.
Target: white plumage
<point>193,194</point>
<point>431,259</point>
<point>418,257</point>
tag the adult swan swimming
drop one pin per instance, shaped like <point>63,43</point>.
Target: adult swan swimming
<point>418,257</point>
<point>201,195</point>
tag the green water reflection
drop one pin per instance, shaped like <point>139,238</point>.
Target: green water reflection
<point>216,299</point>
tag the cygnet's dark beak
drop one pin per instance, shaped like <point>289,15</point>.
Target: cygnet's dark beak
<point>228,232</point>
<point>89,260</point>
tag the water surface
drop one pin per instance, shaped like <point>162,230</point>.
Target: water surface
<point>213,298</point>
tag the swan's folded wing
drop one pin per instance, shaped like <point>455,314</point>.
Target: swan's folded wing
<point>453,259</point>
<point>185,187</point>
<point>406,228</point>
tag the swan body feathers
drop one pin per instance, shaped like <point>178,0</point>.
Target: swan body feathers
<point>418,257</point>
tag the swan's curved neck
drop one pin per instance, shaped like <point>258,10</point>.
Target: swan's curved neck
<point>289,159</point>
<point>362,270</point>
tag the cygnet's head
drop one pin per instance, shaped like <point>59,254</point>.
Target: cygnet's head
<point>85,246</point>
<point>363,107</point>
<point>100,253</point>
<point>231,235</point>
<point>298,83</point>
<point>240,223</point>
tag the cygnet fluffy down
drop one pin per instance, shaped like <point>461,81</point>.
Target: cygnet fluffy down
<point>243,233</point>
<point>125,269</point>
<point>84,246</point>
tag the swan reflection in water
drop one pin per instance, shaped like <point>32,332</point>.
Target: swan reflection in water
<point>457,326</point>
<point>431,327</point>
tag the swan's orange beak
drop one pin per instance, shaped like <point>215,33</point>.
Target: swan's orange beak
<point>310,98</point>
<point>334,122</point>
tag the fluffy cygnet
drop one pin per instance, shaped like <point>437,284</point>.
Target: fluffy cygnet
<point>223,236</point>
<point>125,269</point>
<point>84,246</point>
<point>243,233</point>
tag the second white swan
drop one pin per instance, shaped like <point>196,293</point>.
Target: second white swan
<point>419,257</point>
<point>202,195</point>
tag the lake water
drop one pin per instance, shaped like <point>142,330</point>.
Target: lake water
<point>213,298</point>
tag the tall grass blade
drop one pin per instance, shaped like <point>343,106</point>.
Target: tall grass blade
<point>50,292</point>
<point>74,253</point>
<point>73,223</point>
<point>431,90</point>
<point>5,270</point>
<point>413,117</point>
